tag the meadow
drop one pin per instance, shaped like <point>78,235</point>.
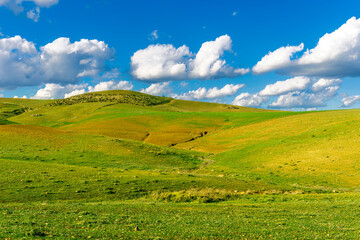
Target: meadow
<point>257,217</point>
<point>122,164</point>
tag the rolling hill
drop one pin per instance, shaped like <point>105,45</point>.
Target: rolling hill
<point>305,150</point>
<point>124,145</point>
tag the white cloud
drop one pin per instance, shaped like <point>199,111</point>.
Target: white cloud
<point>56,91</point>
<point>282,87</point>
<point>111,85</point>
<point>298,92</point>
<point>74,93</point>
<point>34,14</point>
<point>323,83</point>
<point>277,59</point>
<point>299,99</point>
<point>157,89</point>
<point>234,13</point>
<point>350,100</point>
<point>315,95</point>
<point>337,54</point>
<point>61,61</point>
<point>43,3</point>
<point>342,44</point>
<point>160,62</point>
<point>24,97</point>
<point>153,35</point>
<point>207,63</point>
<point>40,3</point>
<point>203,93</point>
<point>250,100</point>
<point>165,62</point>
<point>1,95</point>
<point>19,63</point>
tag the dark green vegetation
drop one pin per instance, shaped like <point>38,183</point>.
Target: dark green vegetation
<point>127,97</point>
<point>137,166</point>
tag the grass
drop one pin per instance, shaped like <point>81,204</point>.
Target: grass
<point>166,164</point>
<point>267,217</point>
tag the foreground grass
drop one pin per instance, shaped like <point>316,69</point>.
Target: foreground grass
<point>322,216</point>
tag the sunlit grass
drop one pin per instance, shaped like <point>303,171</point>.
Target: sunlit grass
<point>176,169</point>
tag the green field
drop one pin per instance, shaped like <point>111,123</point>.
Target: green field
<point>122,164</point>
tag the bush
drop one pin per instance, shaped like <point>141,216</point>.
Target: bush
<point>194,195</point>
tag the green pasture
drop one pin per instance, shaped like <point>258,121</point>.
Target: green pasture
<point>122,164</point>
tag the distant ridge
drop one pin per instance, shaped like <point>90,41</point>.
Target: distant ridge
<point>114,96</point>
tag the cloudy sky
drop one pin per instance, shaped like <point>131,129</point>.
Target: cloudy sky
<point>268,54</point>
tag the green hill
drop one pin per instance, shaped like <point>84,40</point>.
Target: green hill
<point>123,145</point>
<point>278,150</point>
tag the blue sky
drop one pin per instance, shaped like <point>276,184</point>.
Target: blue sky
<point>238,32</point>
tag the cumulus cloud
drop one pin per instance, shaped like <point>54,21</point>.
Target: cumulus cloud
<point>157,89</point>
<point>315,96</point>
<point>323,83</point>
<point>305,100</point>
<point>22,64</point>
<point>17,6</point>
<point>57,91</point>
<point>250,100</point>
<point>74,93</point>
<point>63,61</point>
<point>282,87</point>
<point>203,93</point>
<point>1,95</point>
<point>19,63</point>
<point>160,62</point>
<point>277,59</point>
<point>164,62</point>
<point>341,45</point>
<point>336,54</point>
<point>297,92</point>
<point>207,63</point>
<point>350,100</point>
<point>111,85</point>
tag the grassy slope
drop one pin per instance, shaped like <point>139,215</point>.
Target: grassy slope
<point>267,149</point>
<point>10,107</point>
<point>165,124</point>
<point>309,150</point>
<point>103,151</point>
